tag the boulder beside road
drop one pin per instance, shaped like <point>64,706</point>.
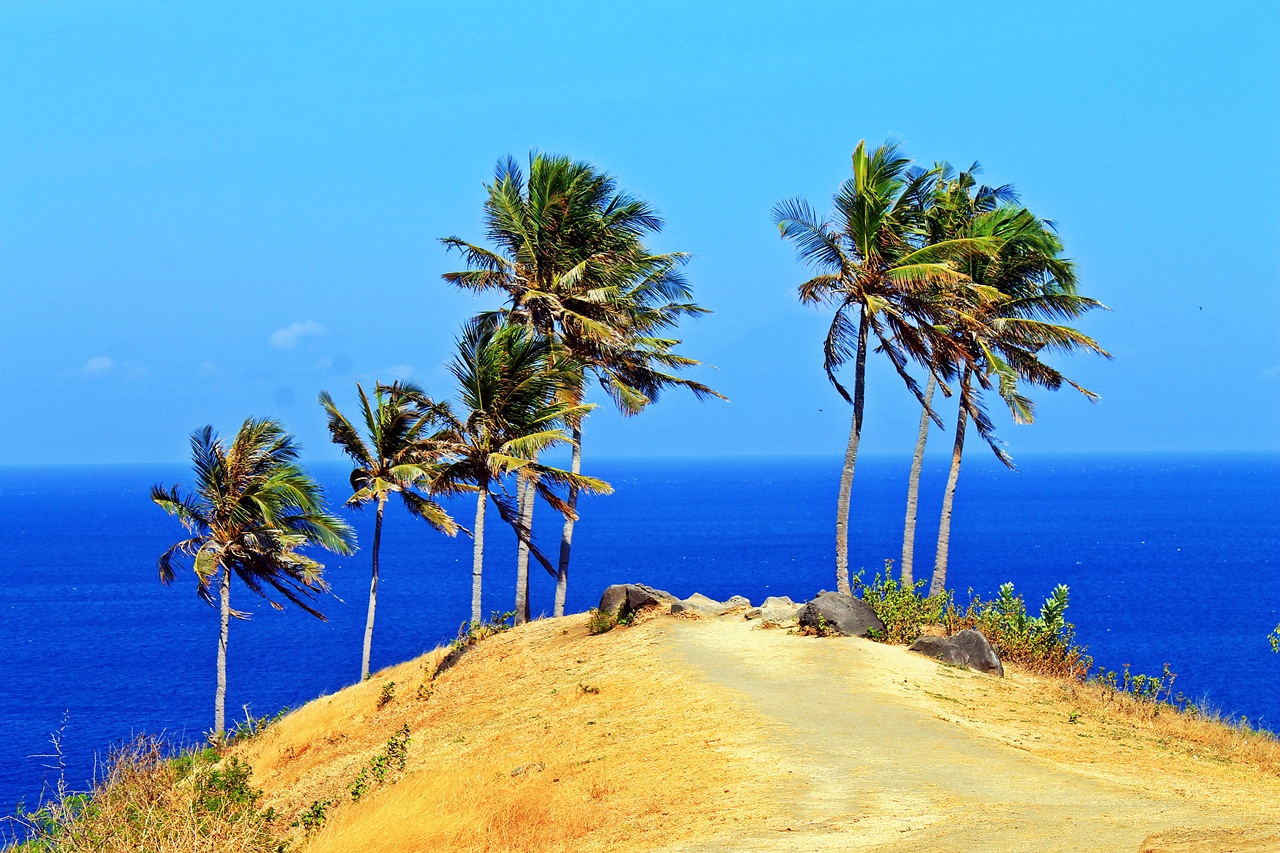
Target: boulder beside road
<point>840,614</point>
<point>968,649</point>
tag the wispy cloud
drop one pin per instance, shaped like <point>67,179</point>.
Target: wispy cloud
<point>288,337</point>
<point>99,365</point>
<point>1271,372</point>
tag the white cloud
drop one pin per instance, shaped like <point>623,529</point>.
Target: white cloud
<point>398,371</point>
<point>288,337</point>
<point>99,365</point>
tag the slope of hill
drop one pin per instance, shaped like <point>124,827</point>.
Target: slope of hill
<point>680,734</point>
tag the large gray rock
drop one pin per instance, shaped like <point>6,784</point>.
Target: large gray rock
<point>776,610</point>
<point>622,599</point>
<point>967,649</point>
<point>840,614</point>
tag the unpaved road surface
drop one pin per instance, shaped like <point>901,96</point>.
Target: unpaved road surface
<point>860,764</point>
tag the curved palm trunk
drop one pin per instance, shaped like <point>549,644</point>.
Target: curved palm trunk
<point>525,511</point>
<point>850,457</point>
<point>477,558</point>
<point>913,488</point>
<point>220,697</point>
<point>939,581</point>
<point>566,536</point>
<point>373,593</point>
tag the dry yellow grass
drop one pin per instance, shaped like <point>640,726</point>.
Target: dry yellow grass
<point>617,747</point>
<point>1107,734</point>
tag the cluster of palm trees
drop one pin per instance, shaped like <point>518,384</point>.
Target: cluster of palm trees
<point>948,277</point>
<point>582,299</point>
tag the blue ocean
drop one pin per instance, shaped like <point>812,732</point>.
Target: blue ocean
<point>1170,559</point>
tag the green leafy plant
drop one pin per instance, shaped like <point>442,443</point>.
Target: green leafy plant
<point>313,817</point>
<point>600,622</point>
<point>1274,639</point>
<point>903,609</point>
<point>387,696</point>
<point>473,632</point>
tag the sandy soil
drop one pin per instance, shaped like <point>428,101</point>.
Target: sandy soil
<point>875,748</point>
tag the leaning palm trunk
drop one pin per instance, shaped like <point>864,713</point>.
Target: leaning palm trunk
<point>220,697</point>
<point>525,490</point>
<point>373,593</point>
<point>477,558</point>
<point>566,537</point>
<point>850,458</point>
<point>939,582</point>
<point>913,488</point>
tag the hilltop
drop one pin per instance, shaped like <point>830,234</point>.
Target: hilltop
<point>687,734</point>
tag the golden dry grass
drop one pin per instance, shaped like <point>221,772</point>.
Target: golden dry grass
<point>1107,734</point>
<point>618,748</point>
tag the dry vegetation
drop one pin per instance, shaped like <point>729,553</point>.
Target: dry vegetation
<point>546,738</point>
<point>615,748</point>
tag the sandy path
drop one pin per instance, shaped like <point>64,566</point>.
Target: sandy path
<point>859,764</point>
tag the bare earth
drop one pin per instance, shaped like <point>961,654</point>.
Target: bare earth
<point>878,749</point>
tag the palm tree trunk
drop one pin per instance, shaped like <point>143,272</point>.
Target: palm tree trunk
<point>220,697</point>
<point>939,581</point>
<point>913,488</point>
<point>477,559</point>
<point>850,457</point>
<point>373,593</point>
<point>525,488</point>
<point>566,537</point>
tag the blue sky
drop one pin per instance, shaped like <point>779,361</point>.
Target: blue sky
<point>210,211</point>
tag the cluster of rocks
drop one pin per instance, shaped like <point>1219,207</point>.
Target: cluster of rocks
<point>828,614</point>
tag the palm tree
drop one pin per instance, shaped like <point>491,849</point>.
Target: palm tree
<point>997,329</point>
<point>955,202</point>
<point>509,382</point>
<point>400,457</point>
<point>250,512</point>
<point>567,254</point>
<point>873,267</point>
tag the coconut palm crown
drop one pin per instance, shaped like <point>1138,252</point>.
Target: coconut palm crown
<point>400,457</point>
<point>880,273</point>
<point>251,511</point>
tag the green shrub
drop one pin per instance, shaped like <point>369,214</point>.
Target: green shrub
<point>600,622</point>
<point>1044,644</point>
<point>387,696</point>
<point>903,610</point>
<point>471,633</point>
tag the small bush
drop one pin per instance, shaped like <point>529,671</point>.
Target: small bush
<point>387,696</point>
<point>1044,644</point>
<point>903,610</point>
<point>471,633</point>
<point>600,622</point>
<point>313,817</point>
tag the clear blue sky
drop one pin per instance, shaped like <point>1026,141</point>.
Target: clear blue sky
<point>209,211</point>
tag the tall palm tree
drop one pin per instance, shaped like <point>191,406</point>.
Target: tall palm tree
<point>873,267</point>
<point>509,381</point>
<point>997,330</point>
<point>956,200</point>
<point>567,254</point>
<point>400,457</point>
<point>251,511</point>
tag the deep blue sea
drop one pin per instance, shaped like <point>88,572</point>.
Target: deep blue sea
<point>1170,559</point>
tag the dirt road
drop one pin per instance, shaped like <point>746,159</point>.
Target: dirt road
<point>866,756</point>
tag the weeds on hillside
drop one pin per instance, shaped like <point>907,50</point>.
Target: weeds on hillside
<point>471,633</point>
<point>394,756</point>
<point>251,726</point>
<point>151,801</point>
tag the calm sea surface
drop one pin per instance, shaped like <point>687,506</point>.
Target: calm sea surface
<point>1170,559</point>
